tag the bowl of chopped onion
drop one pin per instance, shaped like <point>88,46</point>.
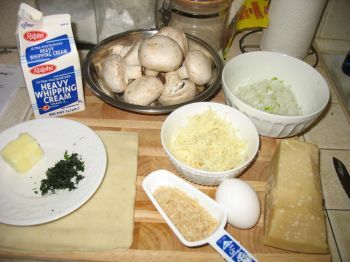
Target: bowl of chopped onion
<point>209,142</point>
<point>282,95</point>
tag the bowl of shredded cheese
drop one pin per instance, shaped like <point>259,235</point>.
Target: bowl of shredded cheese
<point>282,95</point>
<point>209,142</point>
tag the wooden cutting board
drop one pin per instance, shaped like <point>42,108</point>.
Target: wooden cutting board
<point>153,240</point>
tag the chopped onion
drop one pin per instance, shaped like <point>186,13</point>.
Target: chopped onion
<point>270,95</point>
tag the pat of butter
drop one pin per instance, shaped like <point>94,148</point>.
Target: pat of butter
<point>22,153</point>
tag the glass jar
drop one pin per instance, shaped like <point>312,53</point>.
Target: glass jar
<point>203,19</point>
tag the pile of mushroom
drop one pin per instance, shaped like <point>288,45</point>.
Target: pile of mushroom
<point>157,70</point>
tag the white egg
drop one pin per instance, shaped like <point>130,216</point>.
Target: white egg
<point>240,201</point>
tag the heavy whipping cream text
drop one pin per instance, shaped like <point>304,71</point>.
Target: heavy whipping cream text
<point>50,63</point>
<point>56,89</point>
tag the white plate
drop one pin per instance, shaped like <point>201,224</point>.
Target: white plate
<point>19,204</point>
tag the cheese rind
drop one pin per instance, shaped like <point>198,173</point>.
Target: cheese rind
<point>22,153</point>
<point>294,217</point>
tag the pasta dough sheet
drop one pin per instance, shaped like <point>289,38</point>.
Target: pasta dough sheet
<point>105,222</point>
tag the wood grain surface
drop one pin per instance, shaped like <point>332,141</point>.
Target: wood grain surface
<point>153,239</point>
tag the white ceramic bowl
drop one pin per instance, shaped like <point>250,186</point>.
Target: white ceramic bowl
<point>244,127</point>
<point>308,85</point>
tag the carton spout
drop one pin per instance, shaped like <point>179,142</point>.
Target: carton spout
<point>26,11</point>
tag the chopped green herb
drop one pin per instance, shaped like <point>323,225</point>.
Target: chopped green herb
<point>64,175</point>
<point>268,108</point>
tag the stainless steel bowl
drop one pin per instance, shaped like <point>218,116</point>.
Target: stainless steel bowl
<point>98,53</point>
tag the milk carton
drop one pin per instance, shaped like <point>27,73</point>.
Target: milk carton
<point>50,62</point>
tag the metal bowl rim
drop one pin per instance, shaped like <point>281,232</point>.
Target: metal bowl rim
<point>208,93</point>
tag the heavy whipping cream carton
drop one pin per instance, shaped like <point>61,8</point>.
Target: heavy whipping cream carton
<point>50,62</point>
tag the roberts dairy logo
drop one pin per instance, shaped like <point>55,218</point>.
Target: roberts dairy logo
<point>26,24</point>
<point>43,69</point>
<point>34,35</point>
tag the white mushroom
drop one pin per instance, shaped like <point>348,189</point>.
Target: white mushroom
<point>213,76</point>
<point>197,67</point>
<point>182,72</point>
<point>143,91</point>
<point>176,90</point>
<point>133,72</point>
<point>148,72</point>
<point>116,73</point>
<point>132,56</point>
<point>160,53</point>
<point>193,45</point>
<point>176,35</point>
<point>121,50</point>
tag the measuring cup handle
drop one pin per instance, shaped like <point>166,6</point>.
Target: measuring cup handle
<point>229,247</point>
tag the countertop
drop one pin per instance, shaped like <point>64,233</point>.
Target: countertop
<point>331,133</point>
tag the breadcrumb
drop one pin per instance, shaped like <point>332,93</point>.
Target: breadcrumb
<point>191,219</point>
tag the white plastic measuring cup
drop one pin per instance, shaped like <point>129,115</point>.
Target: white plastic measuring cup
<point>220,240</point>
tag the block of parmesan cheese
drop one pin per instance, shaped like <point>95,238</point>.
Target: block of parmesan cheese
<point>294,218</point>
<point>22,153</point>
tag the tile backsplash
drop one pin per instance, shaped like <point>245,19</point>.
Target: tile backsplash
<point>335,21</point>
<point>82,16</point>
<point>92,20</point>
<point>334,26</point>
<point>333,35</point>
<point>8,21</point>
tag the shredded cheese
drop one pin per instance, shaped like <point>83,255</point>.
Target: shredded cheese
<point>208,142</point>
